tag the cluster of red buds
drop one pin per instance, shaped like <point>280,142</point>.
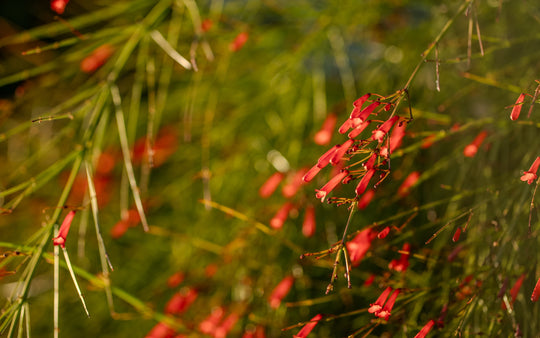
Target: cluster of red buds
<point>374,149</point>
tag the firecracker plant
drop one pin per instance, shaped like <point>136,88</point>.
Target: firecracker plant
<point>177,168</point>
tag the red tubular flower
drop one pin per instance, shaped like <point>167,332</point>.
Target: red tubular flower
<point>515,289</point>
<point>517,107</point>
<point>181,301</point>
<point>395,138</point>
<point>402,264</point>
<point>279,218</point>
<point>379,133</point>
<point>366,198</point>
<point>206,25</point>
<point>164,146</point>
<point>292,187</point>
<point>97,58</point>
<point>324,136</point>
<point>308,227</point>
<point>271,184</point>
<point>338,154</point>
<point>428,141</point>
<point>410,181</point>
<point>239,42</point>
<point>226,326</point>
<point>348,124</point>
<point>361,100</point>
<point>455,238</point>
<point>308,327</point>
<point>311,173</point>
<point>387,309</point>
<point>257,332</point>
<point>536,292</point>
<point>210,323</point>
<point>384,232</point>
<point>280,291</point>
<point>328,187</point>
<point>530,175</point>
<point>370,280</point>
<point>364,113</point>
<point>371,162</point>
<point>471,149</point>
<point>378,305</point>
<point>325,158</point>
<point>175,279</point>
<point>359,245</point>
<point>64,229</point>
<point>425,330</point>
<point>59,6</point>
<point>359,129</point>
<point>161,330</point>
<point>362,185</point>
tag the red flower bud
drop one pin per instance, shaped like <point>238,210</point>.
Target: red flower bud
<point>517,107</point>
<point>280,291</point>
<point>471,149</point>
<point>271,184</point>
<point>324,136</point>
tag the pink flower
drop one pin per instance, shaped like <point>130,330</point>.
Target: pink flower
<point>425,330</point>
<point>308,327</point>
<point>324,136</point>
<point>308,227</point>
<point>64,229</point>
<point>530,175</point>
<point>359,245</point>
<point>328,187</point>
<point>59,6</point>
<point>292,187</point>
<point>471,149</point>
<point>279,218</point>
<point>517,107</point>
<point>366,198</point>
<point>387,309</point>
<point>378,305</point>
<point>410,181</point>
<point>362,185</point>
<point>271,184</point>
<point>338,154</point>
<point>379,133</point>
<point>280,291</point>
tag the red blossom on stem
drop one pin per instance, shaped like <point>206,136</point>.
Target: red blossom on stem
<point>291,188</point>
<point>206,25</point>
<point>271,184</point>
<point>226,326</point>
<point>328,187</point>
<point>97,58</point>
<point>210,323</point>
<point>363,114</point>
<point>384,232</point>
<point>161,330</point>
<point>428,141</point>
<point>471,149</point>
<point>402,264</point>
<point>530,176</point>
<point>425,330</point>
<point>311,173</point>
<point>395,139</point>
<point>379,133</point>
<point>280,291</point>
<point>536,292</point>
<point>59,6</point>
<point>410,181</point>
<point>378,305</point>
<point>387,309</point>
<point>308,327</point>
<point>60,239</point>
<point>363,184</point>
<point>238,42</point>
<point>359,129</point>
<point>309,224</point>
<point>338,154</point>
<point>455,238</point>
<point>359,245</point>
<point>181,301</point>
<point>366,199</point>
<point>515,290</point>
<point>324,136</point>
<point>517,107</point>
<point>175,279</point>
<point>279,218</point>
<point>325,158</point>
<point>361,100</point>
